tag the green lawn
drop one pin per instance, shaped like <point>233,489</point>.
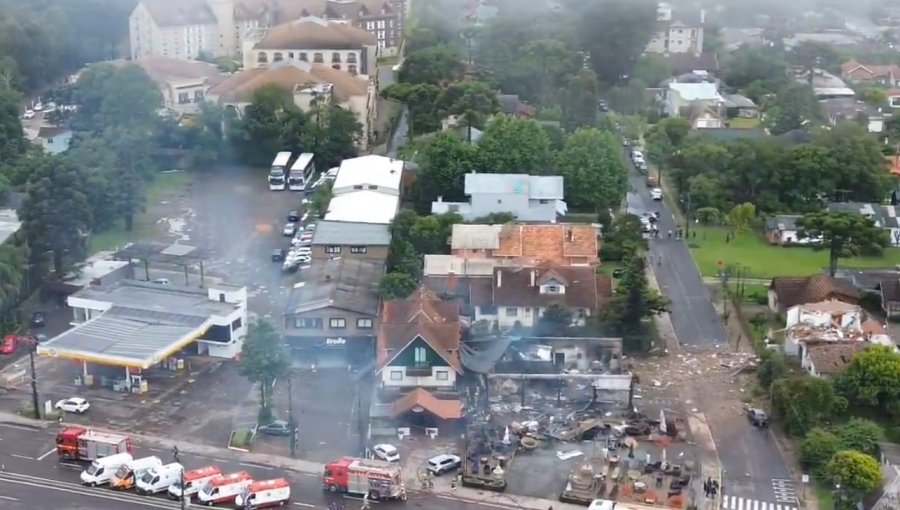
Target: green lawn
<point>751,251</point>
<point>162,188</point>
<point>742,123</point>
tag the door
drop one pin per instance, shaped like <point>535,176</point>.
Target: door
<point>559,358</point>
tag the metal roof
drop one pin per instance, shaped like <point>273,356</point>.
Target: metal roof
<point>537,187</point>
<point>343,283</point>
<point>475,237</point>
<point>9,224</point>
<point>346,232</point>
<point>381,171</point>
<point>126,336</point>
<point>164,253</point>
<point>363,207</point>
<point>153,297</point>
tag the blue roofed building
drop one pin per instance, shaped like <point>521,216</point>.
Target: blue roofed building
<point>530,198</point>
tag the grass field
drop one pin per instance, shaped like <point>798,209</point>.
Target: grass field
<point>163,187</point>
<point>751,251</point>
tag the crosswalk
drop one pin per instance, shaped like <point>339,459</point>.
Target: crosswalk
<point>739,503</point>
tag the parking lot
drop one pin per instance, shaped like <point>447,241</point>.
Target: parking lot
<point>233,214</point>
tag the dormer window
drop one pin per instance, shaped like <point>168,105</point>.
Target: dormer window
<point>553,288</point>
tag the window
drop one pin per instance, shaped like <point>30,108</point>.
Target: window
<point>318,58</point>
<point>302,57</point>
<point>370,25</point>
<point>333,249</point>
<point>198,96</point>
<point>337,323</point>
<point>291,55</point>
<point>336,66</point>
<point>419,355</point>
<point>381,35</point>
<point>552,289</point>
<point>442,375</point>
<point>351,69</point>
<point>396,375</point>
<point>364,323</point>
<point>391,23</point>
<point>307,323</point>
<point>543,201</point>
<point>278,57</point>
<point>336,57</point>
<point>357,186</point>
<point>351,58</point>
<point>262,58</point>
<point>512,312</point>
<point>183,98</point>
<point>380,24</point>
<point>358,249</point>
<point>372,187</point>
<point>236,325</point>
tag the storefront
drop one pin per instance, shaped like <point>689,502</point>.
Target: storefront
<point>332,352</point>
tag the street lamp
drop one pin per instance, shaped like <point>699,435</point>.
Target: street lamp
<point>837,488</point>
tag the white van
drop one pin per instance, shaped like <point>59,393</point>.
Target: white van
<point>159,479</point>
<point>194,480</point>
<point>101,470</point>
<point>264,494</point>
<point>124,478</point>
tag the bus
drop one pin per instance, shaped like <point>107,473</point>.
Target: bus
<point>302,172</point>
<point>277,172</point>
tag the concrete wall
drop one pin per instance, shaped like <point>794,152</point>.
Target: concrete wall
<point>379,253</point>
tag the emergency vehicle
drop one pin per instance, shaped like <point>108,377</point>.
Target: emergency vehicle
<point>264,494</point>
<point>194,480</point>
<point>78,443</point>
<point>224,489</point>
<point>375,478</point>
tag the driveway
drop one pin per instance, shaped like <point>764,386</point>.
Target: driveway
<point>755,471</point>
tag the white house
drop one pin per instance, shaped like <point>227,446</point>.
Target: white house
<point>380,174</point>
<point>680,31</point>
<point>699,102</point>
<point>526,197</point>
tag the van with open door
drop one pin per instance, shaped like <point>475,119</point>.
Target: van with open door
<point>159,479</point>
<point>102,470</point>
<point>124,477</point>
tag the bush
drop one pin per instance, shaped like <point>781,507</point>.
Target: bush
<point>817,448</point>
<point>861,435</point>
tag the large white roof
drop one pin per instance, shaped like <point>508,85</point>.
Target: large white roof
<point>363,207</point>
<point>697,91</point>
<point>372,170</point>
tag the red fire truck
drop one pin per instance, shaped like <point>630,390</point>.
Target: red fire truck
<point>375,478</point>
<point>78,443</point>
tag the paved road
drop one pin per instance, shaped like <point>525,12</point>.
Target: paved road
<point>756,473</point>
<point>32,478</point>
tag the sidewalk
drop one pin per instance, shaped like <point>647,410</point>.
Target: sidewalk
<point>710,465</point>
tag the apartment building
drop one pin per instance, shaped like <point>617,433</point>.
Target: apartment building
<point>678,31</point>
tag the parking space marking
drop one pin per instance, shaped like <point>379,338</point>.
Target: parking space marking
<point>13,426</point>
<point>361,499</point>
<point>304,504</point>
<point>479,503</point>
<point>311,474</point>
<point>220,460</point>
<point>16,455</point>
<point>9,498</point>
<point>154,449</point>
<point>44,456</point>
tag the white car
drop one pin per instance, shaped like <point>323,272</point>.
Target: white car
<point>656,194</point>
<point>76,405</point>
<point>386,452</point>
<point>28,115</point>
<point>38,107</point>
<point>443,463</point>
<point>289,229</point>
<point>602,504</point>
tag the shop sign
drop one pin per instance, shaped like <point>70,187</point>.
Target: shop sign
<point>332,342</point>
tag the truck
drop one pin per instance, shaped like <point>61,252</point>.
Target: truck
<point>87,445</point>
<point>278,171</point>
<point>373,478</point>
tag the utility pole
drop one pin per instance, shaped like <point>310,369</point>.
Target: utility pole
<point>175,455</point>
<point>291,422</point>
<point>32,348</point>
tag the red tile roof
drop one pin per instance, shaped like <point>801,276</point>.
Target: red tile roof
<point>793,290</point>
<point>556,242</point>
<point>423,315</point>
<point>445,409</point>
<point>831,358</point>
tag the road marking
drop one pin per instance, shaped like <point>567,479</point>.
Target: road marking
<point>9,498</point>
<point>739,503</point>
<point>311,474</point>
<point>16,455</point>
<point>360,499</point>
<point>220,460</point>
<point>44,456</point>
<point>260,466</point>
<point>56,485</point>
<point>304,504</point>
<point>154,449</point>
<point>13,426</point>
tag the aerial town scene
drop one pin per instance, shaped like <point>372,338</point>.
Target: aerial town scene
<point>450,254</point>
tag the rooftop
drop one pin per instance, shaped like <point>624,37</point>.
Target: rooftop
<point>537,187</point>
<point>153,297</point>
<point>697,91</point>
<point>315,33</point>
<point>885,216</point>
<point>127,336</point>
<point>346,232</point>
<point>517,286</point>
<point>9,224</point>
<point>475,237</point>
<point>341,9</point>
<point>423,315</point>
<point>166,69</point>
<point>363,207</point>
<point>793,290</point>
<point>831,358</point>
<point>172,13</point>
<point>288,76</point>
<point>380,171</point>
<point>782,222</point>
<point>343,283</point>
<point>443,265</point>
<point>548,242</point>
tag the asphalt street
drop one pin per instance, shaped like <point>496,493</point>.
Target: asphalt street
<point>31,477</point>
<point>754,467</point>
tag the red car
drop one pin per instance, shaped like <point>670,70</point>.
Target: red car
<point>9,345</point>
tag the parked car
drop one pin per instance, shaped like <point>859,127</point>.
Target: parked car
<point>386,452</point>
<point>278,255</point>
<point>28,115</point>
<point>656,194</point>
<point>757,418</point>
<point>289,229</point>
<point>75,405</point>
<point>602,504</point>
<point>9,344</point>
<point>38,107</point>
<point>276,428</point>
<point>443,463</point>
<point>38,320</point>
<point>161,281</point>
<point>293,216</point>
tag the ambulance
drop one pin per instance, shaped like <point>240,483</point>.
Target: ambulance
<point>194,480</point>
<point>224,489</point>
<point>265,494</point>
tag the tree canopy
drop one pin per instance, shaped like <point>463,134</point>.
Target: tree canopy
<point>594,173</point>
<point>843,235</point>
<point>264,358</point>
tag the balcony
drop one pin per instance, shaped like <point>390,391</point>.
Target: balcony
<point>421,369</point>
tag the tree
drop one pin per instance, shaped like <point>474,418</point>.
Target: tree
<point>321,198</point>
<point>856,473</point>
<point>633,301</point>
<point>772,367</point>
<point>624,239</point>
<point>842,234</point>
<point>855,162</point>
<point>870,380</point>
<point>554,321</point>
<point>629,98</point>
<point>12,138</point>
<point>812,55</point>
<point>264,359</point>
<point>115,97</point>
<point>861,435</point>
<point>579,107</point>
<point>817,448</point>
<point>56,216</point>
<point>511,145</point>
<point>339,133</point>
<point>396,286</point>
<point>874,96</point>
<point>435,65</point>
<point>256,135</point>
<point>741,217</point>
<point>750,64</point>
<point>595,176</point>
<point>614,33</point>
<point>653,69</point>
<point>804,402</point>
<point>472,102</point>
<point>13,262</point>
<point>443,164</point>
<point>793,107</point>
<point>420,98</point>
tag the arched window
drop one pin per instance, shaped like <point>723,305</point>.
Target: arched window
<point>335,58</point>
<point>351,58</point>
<point>291,55</point>
<point>303,57</point>
<point>262,58</point>
<point>318,58</point>
<point>278,57</point>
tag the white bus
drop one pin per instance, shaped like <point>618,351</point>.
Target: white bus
<point>277,173</point>
<point>302,172</point>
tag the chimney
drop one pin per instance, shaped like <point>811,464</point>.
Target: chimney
<point>533,276</point>
<point>440,198</point>
<point>499,278</point>
<point>452,283</point>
